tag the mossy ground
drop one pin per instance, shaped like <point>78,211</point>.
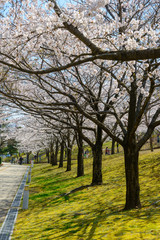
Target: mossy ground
<point>94,212</point>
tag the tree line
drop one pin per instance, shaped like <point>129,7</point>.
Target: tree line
<point>91,69</point>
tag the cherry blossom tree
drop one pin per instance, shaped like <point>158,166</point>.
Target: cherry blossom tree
<point>109,96</point>
<point>115,30</point>
<point>3,127</point>
<point>6,125</point>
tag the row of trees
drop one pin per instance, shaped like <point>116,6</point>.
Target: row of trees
<point>54,67</point>
<point>8,145</point>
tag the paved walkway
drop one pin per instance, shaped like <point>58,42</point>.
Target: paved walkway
<point>10,179</point>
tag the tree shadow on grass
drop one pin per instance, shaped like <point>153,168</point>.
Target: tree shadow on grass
<point>56,181</point>
<point>84,228</point>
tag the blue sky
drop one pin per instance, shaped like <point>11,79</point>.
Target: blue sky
<point>62,2</point>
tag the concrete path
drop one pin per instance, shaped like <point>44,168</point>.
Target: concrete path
<point>10,179</point>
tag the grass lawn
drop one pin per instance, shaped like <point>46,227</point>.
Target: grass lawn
<point>92,212</point>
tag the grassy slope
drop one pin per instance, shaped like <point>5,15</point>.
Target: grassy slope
<point>95,212</point>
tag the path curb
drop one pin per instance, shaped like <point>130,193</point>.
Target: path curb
<point>8,224</point>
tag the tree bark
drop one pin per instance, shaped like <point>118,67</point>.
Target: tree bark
<point>53,159</point>
<point>69,154</point>
<point>56,152</point>
<point>117,147</point>
<point>131,155</point>
<point>80,163</point>
<point>150,139</point>
<point>69,151</point>
<point>113,147</point>
<point>65,152</point>
<point>28,153</point>
<point>37,156</point>
<point>97,159</point>
<point>132,177</point>
<point>47,155</point>
<point>151,143</point>
<point>61,155</point>
<point>52,155</point>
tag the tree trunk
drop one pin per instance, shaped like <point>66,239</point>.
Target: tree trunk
<point>28,153</point>
<point>37,156</point>
<point>117,147</point>
<point>113,147</point>
<point>47,155</point>
<point>150,139</point>
<point>97,159</point>
<point>132,177</point>
<point>61,155</point>
<point>131,155</point>
<point>53,159</point>
<point>69,154</point>
<point>52,155</point>
<point>65,152</point>
<point>151,143</point>
<point>97,165</point>
<point>80,164</point>
<point>56,152</point>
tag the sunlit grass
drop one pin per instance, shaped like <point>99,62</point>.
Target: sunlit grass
<point>94,212</point>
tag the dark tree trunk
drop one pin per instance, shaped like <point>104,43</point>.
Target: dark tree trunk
<point>117,147</point>
<point>28,157</point>
<point>132,177</point>
<point>69,154</point>
<point>80,164</point>
<point>113,147</point>
<point>47,155</point>
<point>131,155</point>
<point>52,161</point>
<point>37,156</point>
<point>97,159</point>
<point>69,151</point>
<point>151,143</point>
<point>61,155</point>
<point>150,139</point>
<point>97,165</point>
<point>56,152</point>
<point>65,152</point>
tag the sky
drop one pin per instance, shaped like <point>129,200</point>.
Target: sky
<point>62,2</point>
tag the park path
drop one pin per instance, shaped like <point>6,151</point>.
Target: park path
<point>10,179</point>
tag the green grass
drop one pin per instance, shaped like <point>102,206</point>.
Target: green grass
<point>94,212</point>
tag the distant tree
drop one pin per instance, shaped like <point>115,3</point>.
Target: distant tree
<point>12,146</point>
